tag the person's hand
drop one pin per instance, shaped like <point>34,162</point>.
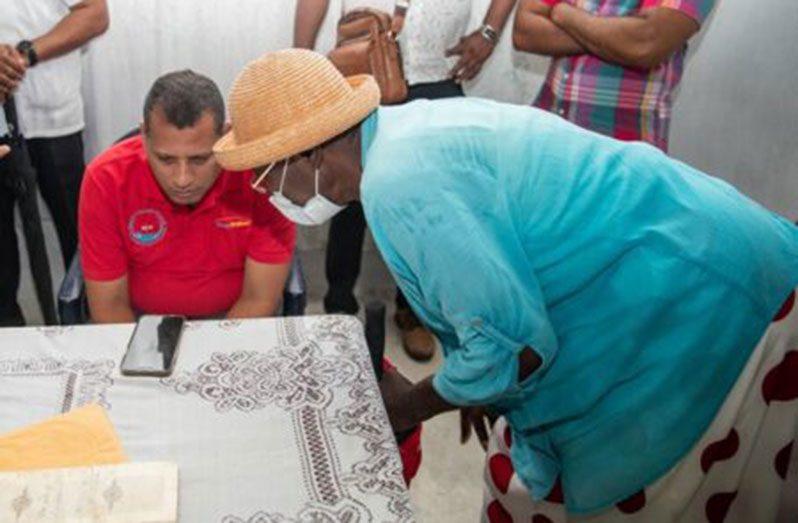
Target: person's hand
<point>478,419</point>
<point>558,9</point>
<point>12,69</point>
<point>395,388</point>
<point>473,50</point>
<point>4,150</point>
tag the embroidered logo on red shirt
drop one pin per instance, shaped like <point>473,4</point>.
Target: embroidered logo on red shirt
<point>146,227</point>
<point>233,222</point>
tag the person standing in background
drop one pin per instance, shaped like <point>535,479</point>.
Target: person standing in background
<point>437,56</point>
<point>615,63</point>
<point>40,65</point>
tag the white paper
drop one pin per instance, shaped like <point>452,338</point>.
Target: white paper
<point>132,492</point>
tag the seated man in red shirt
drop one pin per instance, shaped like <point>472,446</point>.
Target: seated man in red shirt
<point>164,230</point>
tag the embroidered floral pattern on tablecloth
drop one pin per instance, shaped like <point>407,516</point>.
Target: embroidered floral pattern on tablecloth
<point>314,359</point>
<point>84,381</point>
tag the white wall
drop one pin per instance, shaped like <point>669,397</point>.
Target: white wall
<point>218,37</point>
<point>737,112</point>
<point>150,37</point>
<point>735,116</point>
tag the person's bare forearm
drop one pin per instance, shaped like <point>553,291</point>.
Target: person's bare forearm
<point>252,308</point>
<point>84,22</point>
<point>109,301</point>
<point>308,18</point>
<point>536,33</point>
<point>642,41</point>
<point>498,13</point>
<point>419,404</point>
<point>261,291</point>
<point>117,313</point>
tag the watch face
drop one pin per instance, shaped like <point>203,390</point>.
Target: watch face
<point>489,34</point>
<point>26,48</point>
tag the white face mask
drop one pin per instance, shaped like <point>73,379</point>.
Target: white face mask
<point>316,211</point>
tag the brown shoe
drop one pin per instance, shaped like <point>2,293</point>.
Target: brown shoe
<point>418,342</point>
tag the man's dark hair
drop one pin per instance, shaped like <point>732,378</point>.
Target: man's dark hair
<point>184,96</point>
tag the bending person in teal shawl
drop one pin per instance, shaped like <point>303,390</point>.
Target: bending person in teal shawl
<point>599,295</point>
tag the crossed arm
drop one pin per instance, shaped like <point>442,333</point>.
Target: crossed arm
<point>643,40</point>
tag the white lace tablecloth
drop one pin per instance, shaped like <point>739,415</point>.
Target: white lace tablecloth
<point>269,421</point>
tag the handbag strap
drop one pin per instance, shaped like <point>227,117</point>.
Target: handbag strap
<point>399,13</point>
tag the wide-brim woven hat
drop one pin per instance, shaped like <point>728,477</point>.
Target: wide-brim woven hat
<point>287,102</point>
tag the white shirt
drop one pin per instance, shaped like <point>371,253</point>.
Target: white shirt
<point>49,102</point>
<point>382,5</point>
<point>431,27</point>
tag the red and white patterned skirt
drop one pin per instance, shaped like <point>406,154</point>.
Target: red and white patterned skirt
<point>739,472</point>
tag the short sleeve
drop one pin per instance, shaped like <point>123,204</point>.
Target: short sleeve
<point>273,236</point>
<point>102,248</point>
<point>698,10</point>
<point>495,311</point>
<point>463,269</point>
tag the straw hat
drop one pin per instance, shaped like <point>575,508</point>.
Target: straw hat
<point>287,102</point>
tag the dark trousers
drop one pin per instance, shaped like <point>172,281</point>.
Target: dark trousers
<point>59,170</point>
<point>347,229</point>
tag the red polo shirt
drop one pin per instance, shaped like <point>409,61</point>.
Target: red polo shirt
<point>178,260</point>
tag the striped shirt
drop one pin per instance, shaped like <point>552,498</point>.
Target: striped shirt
<point>622,102</point>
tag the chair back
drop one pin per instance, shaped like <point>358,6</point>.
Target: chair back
<point>72,306</point>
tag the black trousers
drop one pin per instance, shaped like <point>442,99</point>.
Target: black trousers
<point>348,228</point>
<point>59,168</point>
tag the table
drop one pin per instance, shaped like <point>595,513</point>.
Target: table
<point>269,421</point>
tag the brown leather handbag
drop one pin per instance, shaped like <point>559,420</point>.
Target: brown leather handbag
<point>367,45</point>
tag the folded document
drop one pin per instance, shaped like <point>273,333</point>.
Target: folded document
<point>133,492</point>
<point>82,437</point>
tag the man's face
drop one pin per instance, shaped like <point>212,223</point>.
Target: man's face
<point>182,159</point>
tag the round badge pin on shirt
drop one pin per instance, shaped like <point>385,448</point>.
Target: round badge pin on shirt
<point>146,227</point>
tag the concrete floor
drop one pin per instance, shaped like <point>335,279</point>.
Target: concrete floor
<point>448,487</point>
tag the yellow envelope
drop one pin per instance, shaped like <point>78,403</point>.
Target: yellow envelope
<point>81,437</point>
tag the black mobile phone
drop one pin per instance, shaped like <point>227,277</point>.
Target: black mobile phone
<point>153,346</point>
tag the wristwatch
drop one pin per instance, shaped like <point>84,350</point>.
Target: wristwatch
<point>489,33</point>
<point>25,48</point>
